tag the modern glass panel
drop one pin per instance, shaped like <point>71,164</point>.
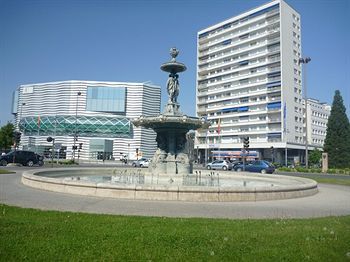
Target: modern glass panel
<point>106,99</point>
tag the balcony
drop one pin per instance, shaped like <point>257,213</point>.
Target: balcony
<point>274,99</point>
<point>273,89</point>
<point>274,120</point>
<point>272,12</point>
<point>274,140</point>
<point>273,110</point>
<point>273,40</point>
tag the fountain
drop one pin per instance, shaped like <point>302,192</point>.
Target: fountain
<point>171,156</point>
<point>170,175</point>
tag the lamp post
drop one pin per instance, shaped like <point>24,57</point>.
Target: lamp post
<point>75,127</point>
<point>305,61</point>
<point>127,159</point>
<point>198,155</point>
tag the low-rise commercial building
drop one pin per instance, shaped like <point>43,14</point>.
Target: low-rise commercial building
<point>87,119</point>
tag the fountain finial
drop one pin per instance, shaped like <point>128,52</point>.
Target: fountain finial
<point>174,52</point>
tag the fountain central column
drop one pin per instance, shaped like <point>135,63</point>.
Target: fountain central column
<point>171,156</point>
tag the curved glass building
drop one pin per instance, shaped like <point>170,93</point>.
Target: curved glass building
<point>87,119</point>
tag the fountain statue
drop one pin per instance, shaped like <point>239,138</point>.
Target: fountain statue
<point>171,156</point>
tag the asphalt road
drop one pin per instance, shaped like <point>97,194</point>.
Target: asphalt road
<point>332,200</point>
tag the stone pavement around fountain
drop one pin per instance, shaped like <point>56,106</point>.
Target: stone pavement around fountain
<point>331,200</point>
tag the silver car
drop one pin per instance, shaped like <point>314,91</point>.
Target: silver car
<point>220,164</point>
<point>142,162</point>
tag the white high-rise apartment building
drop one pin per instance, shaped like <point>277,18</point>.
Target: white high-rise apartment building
<point>317,115</point>
<point>249,83</point>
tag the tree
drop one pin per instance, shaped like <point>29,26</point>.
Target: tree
<point>337,142</point>
<point>6,136</point>
<point>315,157</point>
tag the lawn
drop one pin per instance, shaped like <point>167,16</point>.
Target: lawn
<point>335,181</point>
<point>34,235</point>
<point>4,171</point>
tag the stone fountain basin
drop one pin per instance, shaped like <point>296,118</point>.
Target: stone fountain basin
<point>233,186</point>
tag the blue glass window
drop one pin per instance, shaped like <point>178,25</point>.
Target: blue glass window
<point>226,26</point>
<point>274,105</point>
<point>243,63</point>
<point>226,42</point>
<point>275,74</point>
<point>274,135</point>
<point>204,35</point>
<point>273,84</point>
<point>106,99</point>
<point>243,108</point>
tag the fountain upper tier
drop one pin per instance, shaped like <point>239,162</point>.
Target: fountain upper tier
<point>173,66</point>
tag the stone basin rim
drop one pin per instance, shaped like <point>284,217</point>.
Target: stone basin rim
<point>307,187</point>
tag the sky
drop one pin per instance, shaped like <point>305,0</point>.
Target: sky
<point>127,41</point>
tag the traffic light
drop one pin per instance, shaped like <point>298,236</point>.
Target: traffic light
<point>246,142</point>
<point>17,137</point>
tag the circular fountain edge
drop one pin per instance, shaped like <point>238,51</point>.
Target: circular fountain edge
<point>301,187</point>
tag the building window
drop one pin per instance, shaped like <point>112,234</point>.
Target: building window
<point>106,99</point>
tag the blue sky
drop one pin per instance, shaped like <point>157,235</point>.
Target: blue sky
<point>54,40</point>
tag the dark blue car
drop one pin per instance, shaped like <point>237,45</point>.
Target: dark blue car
<point>260,166</point>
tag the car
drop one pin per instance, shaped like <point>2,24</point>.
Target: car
<point>260,166</point>
<point>220,164</point>
<point>142,162</point>
<point>25,158</point>
<point>235,163</point>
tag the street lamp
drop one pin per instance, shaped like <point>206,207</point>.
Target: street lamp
<point>305,61</point>
<point>75,128</point>
<point>198,155</point>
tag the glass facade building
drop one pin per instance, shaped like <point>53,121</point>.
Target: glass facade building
<point>94,116</point>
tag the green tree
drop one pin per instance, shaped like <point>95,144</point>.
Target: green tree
<point>315,157</point>
<point>6,136</point>
<point>337,142</point>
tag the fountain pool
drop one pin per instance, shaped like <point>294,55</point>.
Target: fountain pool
<point>139,184</point>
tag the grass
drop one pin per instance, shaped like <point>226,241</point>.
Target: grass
<point>5,171</point>
<point>33,235</point>
<point>335,181</point>
<point>342,171</point>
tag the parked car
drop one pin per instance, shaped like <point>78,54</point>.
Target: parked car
<point>220,164</point>
<point>235,163</point>
<point>260,166</point>
<point>25,158</point>
<point>142,162</point>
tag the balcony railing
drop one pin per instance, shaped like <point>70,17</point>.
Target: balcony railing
<point>273,110</point>
<point>274,140</point>
<point>274,120</point>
